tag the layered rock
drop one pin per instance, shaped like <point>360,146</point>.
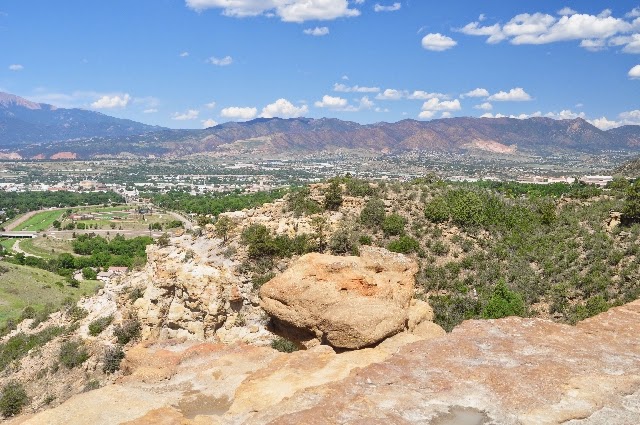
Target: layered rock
<point>345,302</point>
<point>507,371</point>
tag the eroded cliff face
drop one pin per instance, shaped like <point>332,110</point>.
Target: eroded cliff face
<point>507,371</point>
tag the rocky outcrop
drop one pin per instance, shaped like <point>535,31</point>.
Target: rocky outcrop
<point>192,291</point>
<point>507,371</point>
<point>345,302</point>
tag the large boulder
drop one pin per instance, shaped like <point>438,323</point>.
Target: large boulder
<point>345,302</point>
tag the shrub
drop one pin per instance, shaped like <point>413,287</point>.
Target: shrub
<point>97,326</point>
<point>404,245</point>
<point>365,240</point>
<point>13,399</point>
<point>112,358</point>
<point>437,210</point>
<point>76,313</point>
<point>89,273</point>
<point>284,345</point>
<point>333,197</point>
<point>503,303</point>
<point>128,331</point>
<point>373,213</point>
<point>439,248</point>
<point>343,241</point>
<point>73,353</point>
<point>163,240</point>
<point>393,225</point>
<point>136,293</point>
<point>300,203</point>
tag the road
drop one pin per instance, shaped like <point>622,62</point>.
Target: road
<point>183,219</point>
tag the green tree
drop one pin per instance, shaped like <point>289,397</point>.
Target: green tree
<point>631,207</point>
<point>373,213</point>
<point>333,197</point>
<point>224,226</point>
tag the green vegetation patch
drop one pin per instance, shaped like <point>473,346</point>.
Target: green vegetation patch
<point>40,221</point>
<point>22,287</point>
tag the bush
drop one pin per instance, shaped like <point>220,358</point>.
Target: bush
<point>343,241</point>
<point>437,211</point>
<point>300,203</point>
<point>163,240</point>
<point>73,353</point>
<point>503,303</point>
<point>373,213</point>
<point>76,313</point>
<point>393,225</point>
<point>365,240</point>
<point>97,326</point>
<point>112,358</point>
<point>128,331</point>
<point>13,399</point>
<point>404,245</point>
<point>89,274</point>
<point>284,345</point>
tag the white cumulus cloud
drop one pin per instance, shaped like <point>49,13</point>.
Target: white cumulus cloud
<point>239,113</point>
<point>437,42</point>
<point>595,32</point>
<point>209,123</point>
<point>634,73</point>
<point>331,102</point>
<point>317,31</point>
<point>479,92</point>
<point>566,11</point>
<point>184,54</point>
<point>286,10</point>
<point>284,109</point>
<point>150,111</point>
<point>391,94</point>
<point>514,95</point>
<point>112,102</point>
<point>225,61</point>
<point>16,67</point>
<point>189,115</point>
<point>210,105</point>
<point>390,8</point>
<point>486,106</point>
<point>431,106</point>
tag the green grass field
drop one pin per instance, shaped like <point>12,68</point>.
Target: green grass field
<point>46,247</point>
<point>41,221</point>
<point>22,286</point>
<point>7,243</point>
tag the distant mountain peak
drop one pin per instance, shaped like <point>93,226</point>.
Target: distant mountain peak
<point>7,100</point>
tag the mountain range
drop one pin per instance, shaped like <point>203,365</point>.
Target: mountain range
<point>34,130</point>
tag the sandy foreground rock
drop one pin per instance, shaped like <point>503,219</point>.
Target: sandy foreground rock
<point>345,302</point>
<point>508,371</point>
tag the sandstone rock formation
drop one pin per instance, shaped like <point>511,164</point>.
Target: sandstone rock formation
<point>192,291</point>
<point>345,302</point>
<point>508,371</point>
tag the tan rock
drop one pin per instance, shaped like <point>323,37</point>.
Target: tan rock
<point>346,302</point>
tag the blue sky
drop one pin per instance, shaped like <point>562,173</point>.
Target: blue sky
<point>193,63</point>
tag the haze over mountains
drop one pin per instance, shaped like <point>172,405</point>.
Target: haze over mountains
<point>33,130</point>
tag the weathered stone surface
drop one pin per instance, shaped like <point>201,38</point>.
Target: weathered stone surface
<point>192,291</point>
<point>345,302</point>
<point>508,371</point>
